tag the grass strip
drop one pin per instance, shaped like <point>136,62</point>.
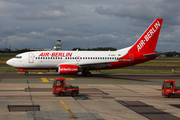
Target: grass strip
<point>160,63</point>
<point>137,71</point>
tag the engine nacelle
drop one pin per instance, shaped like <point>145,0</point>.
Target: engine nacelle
<point>68,69</point>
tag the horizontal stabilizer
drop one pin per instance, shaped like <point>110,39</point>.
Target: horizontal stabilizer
<point>154,54</point>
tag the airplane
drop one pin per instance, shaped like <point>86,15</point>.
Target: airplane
<point>72,62</point>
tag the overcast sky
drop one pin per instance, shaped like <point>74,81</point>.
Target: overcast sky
<point>101,23</point>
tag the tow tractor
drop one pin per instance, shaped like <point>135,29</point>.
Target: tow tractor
<point>61,89</point>
<point>169,89</point>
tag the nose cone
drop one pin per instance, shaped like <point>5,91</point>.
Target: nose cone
<point>10,62</point>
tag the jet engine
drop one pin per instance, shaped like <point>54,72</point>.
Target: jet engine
<point>68,69</point>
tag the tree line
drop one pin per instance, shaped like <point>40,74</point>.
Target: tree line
<point>95,49</point>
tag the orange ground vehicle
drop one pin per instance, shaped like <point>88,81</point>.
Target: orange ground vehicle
<point>169,89</point>
<point>61,89</point>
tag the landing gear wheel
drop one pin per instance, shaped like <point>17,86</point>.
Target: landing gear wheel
<point>88,74</point>
<point>84,73</point>
<point>73,93</point>
<point>171,95</point>
<point>26,73</point>
<point>61,94</point>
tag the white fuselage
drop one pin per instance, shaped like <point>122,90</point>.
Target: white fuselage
<point>52,59</point>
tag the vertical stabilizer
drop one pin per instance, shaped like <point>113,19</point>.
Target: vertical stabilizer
<point>148,40</point>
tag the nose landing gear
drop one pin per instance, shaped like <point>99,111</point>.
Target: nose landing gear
<point>26,73</point>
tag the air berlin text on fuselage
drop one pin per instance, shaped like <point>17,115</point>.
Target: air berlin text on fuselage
<point>55,54</point>
<point>148,35</point>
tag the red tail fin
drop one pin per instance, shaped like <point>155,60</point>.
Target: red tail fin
<point>148,40</point>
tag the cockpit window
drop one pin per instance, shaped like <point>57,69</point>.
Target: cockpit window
<point>18,57</point>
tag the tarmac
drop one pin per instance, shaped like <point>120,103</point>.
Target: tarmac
<point>102,97</point>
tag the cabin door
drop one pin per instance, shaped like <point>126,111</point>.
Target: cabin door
<point>131,58</point>
<point>31,58</point>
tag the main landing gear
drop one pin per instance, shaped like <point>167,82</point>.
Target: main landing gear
<point>86,73</point>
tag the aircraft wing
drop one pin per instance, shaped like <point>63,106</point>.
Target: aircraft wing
<point>153,54</point>
<point>95,64</point>
<point>99,64</point>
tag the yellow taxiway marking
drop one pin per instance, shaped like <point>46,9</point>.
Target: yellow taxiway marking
<point>44,80</point>
<point>28,72</point>
<point>40,73</point>
<point>20,72</point>
<point>70,112</point>
<point>64,78</point>
<point>68,78</point>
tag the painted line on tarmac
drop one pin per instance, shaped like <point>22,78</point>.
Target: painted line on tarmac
<point>44,80</point>
<point>20,72</point>
<point>70,112</point>
<point>40,73</point>
<point>69,78</point>
<point>64,78</point>
<point>28,72</point>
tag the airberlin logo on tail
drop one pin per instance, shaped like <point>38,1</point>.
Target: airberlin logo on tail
<point>149,34</point>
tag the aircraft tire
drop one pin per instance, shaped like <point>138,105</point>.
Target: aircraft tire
<point>88,74</point>
<point>84,73</point>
